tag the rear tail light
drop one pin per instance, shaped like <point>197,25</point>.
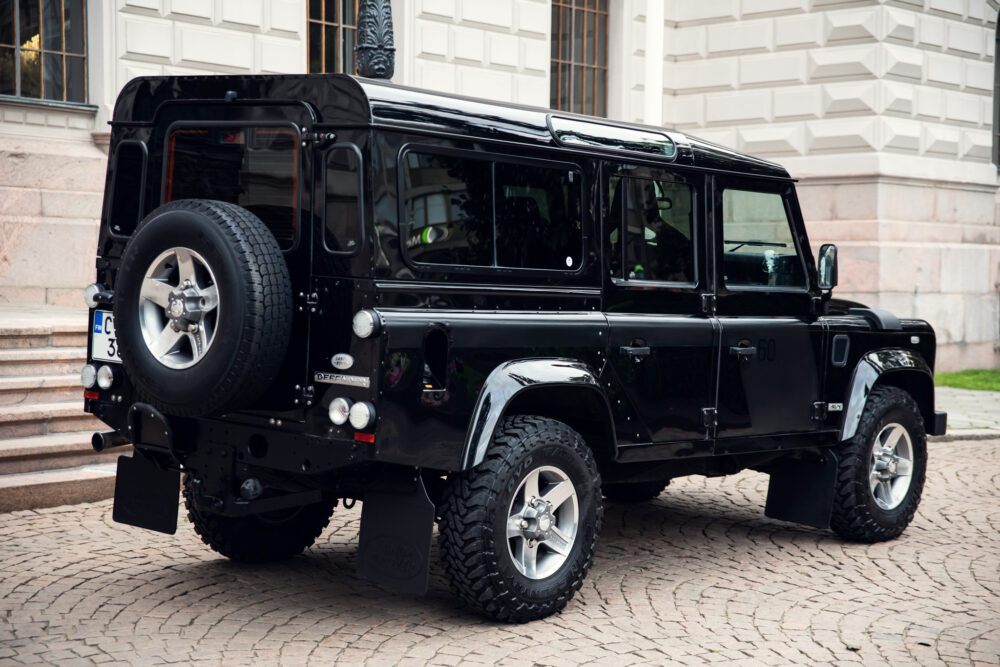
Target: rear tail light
<point>340,410</point>
<point>88,376</point>
<point>362,415</point>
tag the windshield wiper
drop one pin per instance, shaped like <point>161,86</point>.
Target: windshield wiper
<point>769,244</point>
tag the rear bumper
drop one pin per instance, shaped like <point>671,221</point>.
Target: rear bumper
<point>939,424</point>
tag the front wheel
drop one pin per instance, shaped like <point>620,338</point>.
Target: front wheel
<point>517,532</point>
<point>882,468</point>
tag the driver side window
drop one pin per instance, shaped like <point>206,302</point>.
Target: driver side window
<point>758,246</point>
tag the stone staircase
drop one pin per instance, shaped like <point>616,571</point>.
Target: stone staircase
<point>45,454</point>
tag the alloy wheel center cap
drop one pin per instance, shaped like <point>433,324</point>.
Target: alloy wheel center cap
<point>176,307</point>
<point>545,522</point>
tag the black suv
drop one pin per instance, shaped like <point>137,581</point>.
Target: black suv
<point>314,289</point>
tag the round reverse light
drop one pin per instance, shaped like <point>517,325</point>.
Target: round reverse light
<point>362,415</point>
<point>340,410</point>
<point>105,377</point>
<point>365,323</point>
<point>88,376</point>
<point>90,293</point>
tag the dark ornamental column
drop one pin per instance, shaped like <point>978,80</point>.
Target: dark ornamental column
<point>375,48</point>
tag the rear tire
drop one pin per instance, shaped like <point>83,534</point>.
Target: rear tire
<point>503,576</point>
<point>634,492</point>
<point>261,538</point>
<point>873,502</point>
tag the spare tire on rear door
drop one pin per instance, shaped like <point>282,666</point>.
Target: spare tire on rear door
<point>203,308</point>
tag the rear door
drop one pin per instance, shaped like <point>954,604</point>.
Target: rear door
<point>771,346</point>
<point>255,158</point>
<point>662,346</point>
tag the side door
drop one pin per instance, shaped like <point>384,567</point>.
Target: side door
<point>771,344</point>
<point>661,345</point>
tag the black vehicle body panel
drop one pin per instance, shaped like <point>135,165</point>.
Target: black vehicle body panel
<point>646,371</point>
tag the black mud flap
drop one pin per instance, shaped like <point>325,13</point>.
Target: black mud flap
<point>397,521</point>
<point>801,490</point>
<point>146,495</point>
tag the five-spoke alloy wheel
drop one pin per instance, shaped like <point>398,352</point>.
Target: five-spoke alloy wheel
<point>178,308</point>
<point>881,469</point>
<point>517,531</point>
<point>542,522</point>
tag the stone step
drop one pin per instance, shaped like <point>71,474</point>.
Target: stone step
<point>53,451</point>
<point>49,488</point>
<point>21,362</point>
<point>32,337</point>
<point>20,421</point>
<point>39,389</point>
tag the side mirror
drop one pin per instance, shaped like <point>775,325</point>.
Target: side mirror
<point>827,266</point>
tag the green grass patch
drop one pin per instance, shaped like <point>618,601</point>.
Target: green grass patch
<point>988,380</point>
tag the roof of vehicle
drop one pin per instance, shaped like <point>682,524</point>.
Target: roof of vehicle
<point>339,100</point>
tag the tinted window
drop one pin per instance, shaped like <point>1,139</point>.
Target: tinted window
<point>658,230</point>
<point>255,168</point>
<point>469,211</point>
<point>448,203</point>
<point>343,204</point>
<point>126,198</point>
<point>537,217</point>
<point>758,246</point>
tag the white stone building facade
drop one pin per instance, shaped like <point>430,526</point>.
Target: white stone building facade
<point>883,109</point>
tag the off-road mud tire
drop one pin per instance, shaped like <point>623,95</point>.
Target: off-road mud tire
<point>255,308</point>
<point>259,539</point>
<point>856,516</point>
<point>634,492</point>
<point>477,559</point>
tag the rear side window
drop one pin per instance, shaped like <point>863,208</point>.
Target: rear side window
<point>129,184</point>
<point>470,211</point>
<point>343,200</point>
<point>758,246</point>
<point>657,240</point>
<point>253,167</point>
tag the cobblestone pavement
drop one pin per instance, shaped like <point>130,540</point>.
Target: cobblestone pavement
<point>698,575</point>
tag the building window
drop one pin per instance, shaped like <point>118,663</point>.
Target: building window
<point>333,27</point>
<point>43,46</point>
<point>580,56</point>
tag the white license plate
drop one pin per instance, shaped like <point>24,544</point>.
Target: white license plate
<point>104,340</point>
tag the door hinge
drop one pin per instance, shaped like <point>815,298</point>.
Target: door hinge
<point>708,304</point>
<point>305,395</point>
<point>819,411</point>
<point>710,420</point>
<point>310,301</point>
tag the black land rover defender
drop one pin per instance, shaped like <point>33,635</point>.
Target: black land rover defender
<point>322,288</point>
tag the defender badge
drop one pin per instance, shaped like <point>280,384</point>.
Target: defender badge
<point>349,380</point>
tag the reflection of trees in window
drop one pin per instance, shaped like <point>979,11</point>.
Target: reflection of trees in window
<point>333,27</point>
<point>43,49</point>
<point>579,58</point>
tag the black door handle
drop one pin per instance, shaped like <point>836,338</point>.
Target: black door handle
<point>744,353</point>
<point>631,351</point>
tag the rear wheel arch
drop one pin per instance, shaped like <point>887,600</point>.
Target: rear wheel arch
<point>582,408</point>
<point>566,390</point>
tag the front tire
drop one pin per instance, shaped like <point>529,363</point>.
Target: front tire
<point>507,556</point>
<point>261,538</point>
<point>882,469</point>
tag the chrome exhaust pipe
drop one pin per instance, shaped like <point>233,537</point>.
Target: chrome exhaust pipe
<point>107,439</point>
